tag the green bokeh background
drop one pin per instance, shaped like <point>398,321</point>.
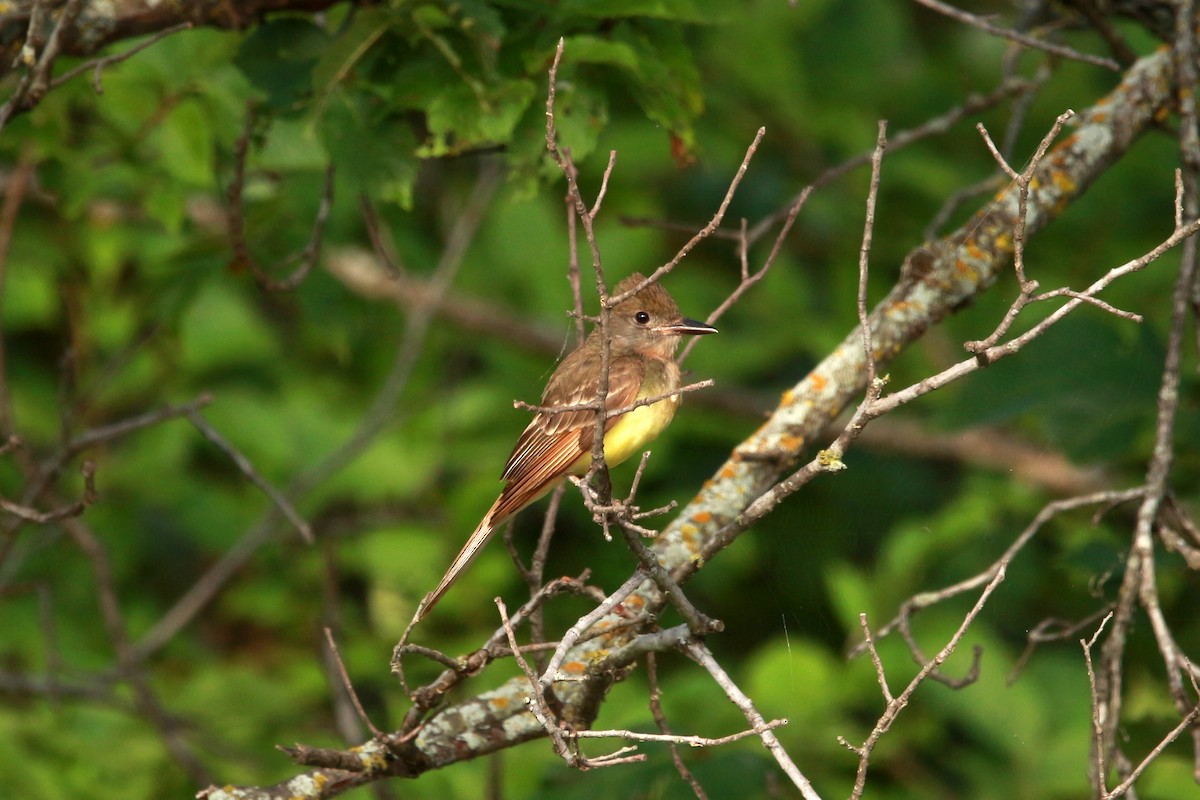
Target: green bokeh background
<point>119,259</point>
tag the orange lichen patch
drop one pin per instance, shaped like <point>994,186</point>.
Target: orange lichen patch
<point>702,517</point>
<point>791,442</point>
<point>787,397</point>
<point>498,703</point>
<point>818,381</point>
<point>728,471</point>
<point>973,250</point>
<point>1064,182</point>
<point>1161,114</point>
<point>1004,241</point>
<point>964,269</point>
<point>899,307</point>
<point>574,667</point>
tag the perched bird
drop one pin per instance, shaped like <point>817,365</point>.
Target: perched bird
<point>643,331</point>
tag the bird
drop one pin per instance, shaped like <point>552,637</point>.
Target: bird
<point>644,330</point>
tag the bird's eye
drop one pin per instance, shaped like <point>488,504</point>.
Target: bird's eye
<point>641,317</point>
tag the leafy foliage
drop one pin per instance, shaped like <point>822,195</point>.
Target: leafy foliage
<point>122,296</point>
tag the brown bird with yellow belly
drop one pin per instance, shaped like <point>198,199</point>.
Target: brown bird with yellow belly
<point>644,331</point>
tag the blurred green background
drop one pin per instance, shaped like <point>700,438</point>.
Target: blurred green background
<point>122,295</point>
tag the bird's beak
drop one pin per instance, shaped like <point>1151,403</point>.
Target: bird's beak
<point>685,327</point>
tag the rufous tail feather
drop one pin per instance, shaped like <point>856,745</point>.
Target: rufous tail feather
<point>464,558</point>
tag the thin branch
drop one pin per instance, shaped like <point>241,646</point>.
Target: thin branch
<point>927,599</point>
<point>97,66</point>
<point>660,719</point>
<point>700,653</point>
<point>90,496</point>
<point>236,218</point>
<point>898,704</point>
<point>672,738</point>
<point>348,685</point>
<point>1020,38</point>
<point>246,468</point>
<point>703,233</point>
<point>36,81</point>
<point>880,676</point>
<point>552,671</point>
<point>864,253</point>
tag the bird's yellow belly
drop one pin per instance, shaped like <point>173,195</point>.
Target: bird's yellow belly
<point>632,432</point>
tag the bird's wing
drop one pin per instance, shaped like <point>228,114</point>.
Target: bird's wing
<point>546,451</point>
<point>553,442</point>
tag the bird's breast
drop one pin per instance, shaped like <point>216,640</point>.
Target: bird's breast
<point>635,429</point>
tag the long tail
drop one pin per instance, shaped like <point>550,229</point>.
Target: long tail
<point>464,558</point>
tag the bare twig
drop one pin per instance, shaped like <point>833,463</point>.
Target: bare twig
<point>571,637</point>
<point>14,197</point>
<point>97,66</point>
<point>880,676</point>
<point>36,81</point>
<point>1022,180</point>
<point>700,653</point>
<point>672,738</point>
<point>90,495</point>
<point>246,468</point>
<point>1016,36</point>
<point>873,388</point>
<point>1049,511</point>
<point>706,231</point>
<point>897,704</point>
<point>660,719</point>
<point>348,685</point>
<point>236,218</point>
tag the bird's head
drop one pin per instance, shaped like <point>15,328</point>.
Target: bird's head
<point>649,320</point>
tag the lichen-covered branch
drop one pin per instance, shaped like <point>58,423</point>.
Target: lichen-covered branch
<point>935,280</point>
<point>101,24</point>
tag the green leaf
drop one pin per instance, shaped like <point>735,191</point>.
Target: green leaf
<point>850,592</point>
<point>589,49</point>
<point>278,58</point>
<point>461,120</point>
<point>798,676</point>
<point>667,84</point>
<point>166,203</point>
<point>339,60</point>
<point>185,143</point>
<point>30,295</point>
<point>374,155</point>
<point>221,329</point>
